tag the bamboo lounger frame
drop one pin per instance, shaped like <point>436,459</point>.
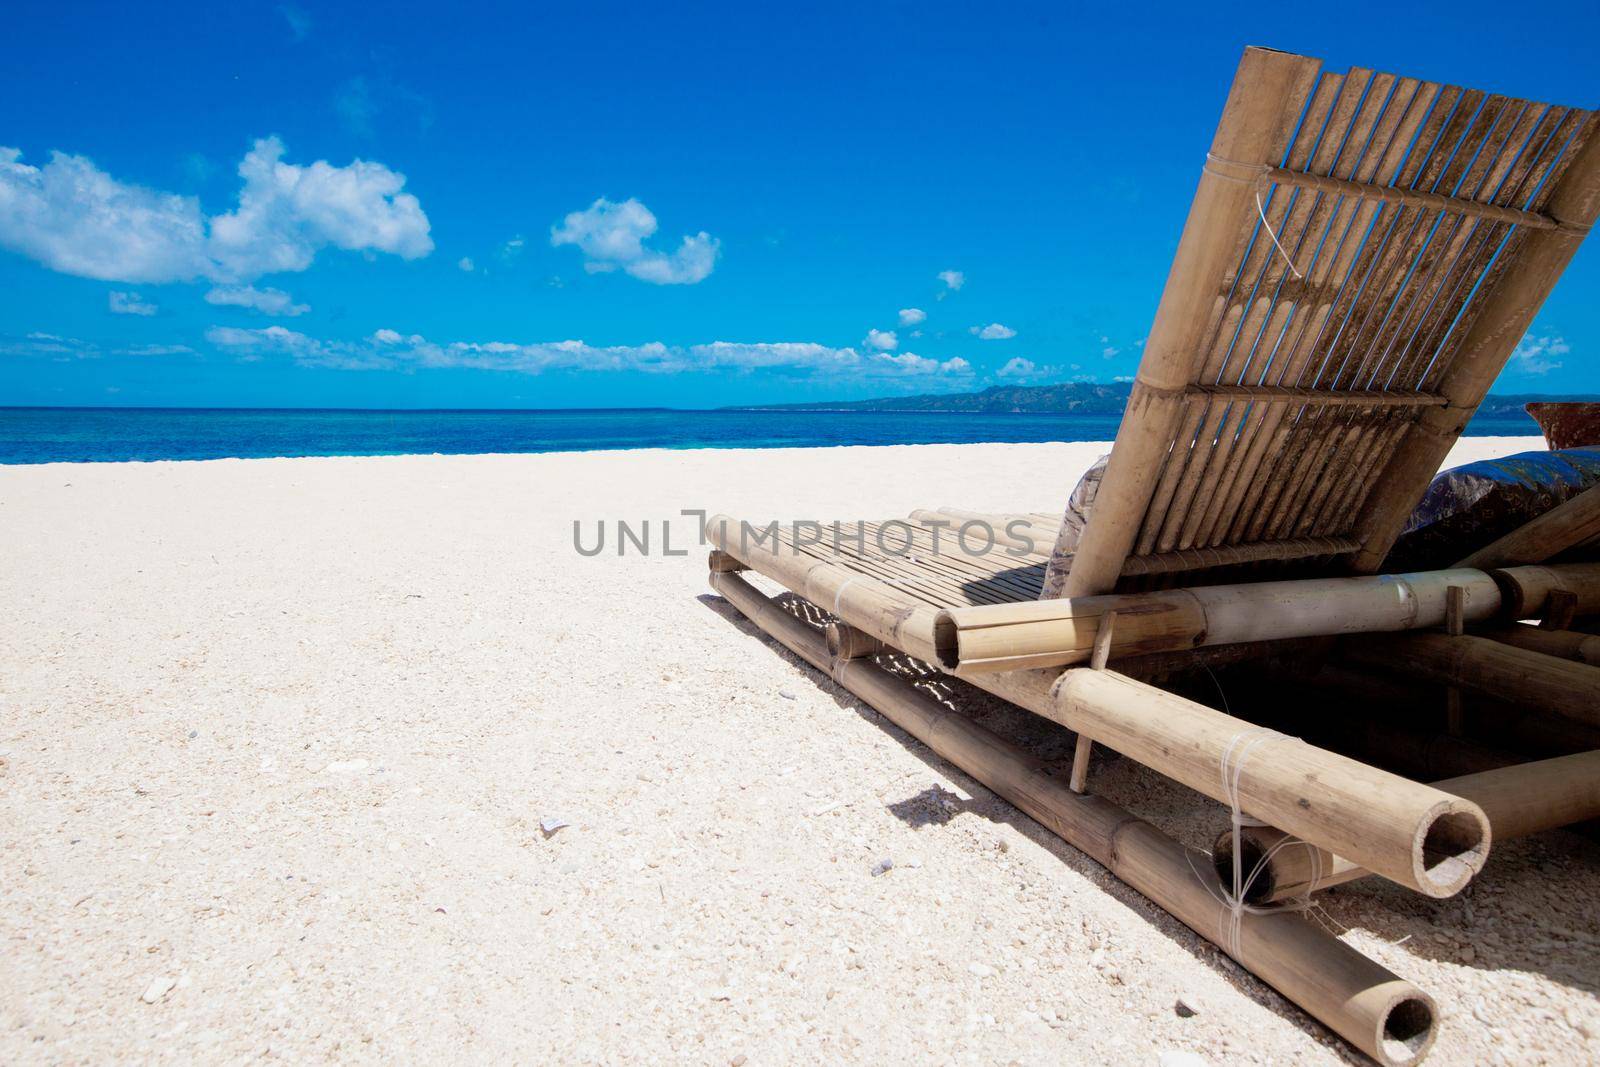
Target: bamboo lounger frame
<point>1362,255</point>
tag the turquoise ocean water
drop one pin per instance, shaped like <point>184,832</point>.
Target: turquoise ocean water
<point>52,435</point>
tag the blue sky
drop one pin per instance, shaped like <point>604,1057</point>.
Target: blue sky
<point>686,205</point>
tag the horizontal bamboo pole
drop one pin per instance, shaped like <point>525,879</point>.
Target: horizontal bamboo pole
<point>1529,679</point>
<point>1194,559</point>
<point>1491,718</point>
<point>1524,799</point>
<point>1413,834</point>
<point>863,602</point>
<point>1526,590</point>
<point>1383,1016</point>
<point>1391,194</point>
<point>1566,644</point>
<point>1568,524</point>
<point>1282,394</point>
<point>1046,633</point>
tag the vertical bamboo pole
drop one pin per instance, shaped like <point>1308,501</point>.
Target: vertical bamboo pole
<point>1263,106</point>
<point>1455,624</point>
<point>1506,314</point>
<point>1084,747</point>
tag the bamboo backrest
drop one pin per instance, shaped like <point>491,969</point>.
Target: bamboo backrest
<point>1363,254</point>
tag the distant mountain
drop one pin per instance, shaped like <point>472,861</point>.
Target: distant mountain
<point>1068,398</point>
<point>1073,398</point>
<point>1501,407</point>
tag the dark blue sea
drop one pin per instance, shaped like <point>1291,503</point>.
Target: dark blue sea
<point>54,435</point>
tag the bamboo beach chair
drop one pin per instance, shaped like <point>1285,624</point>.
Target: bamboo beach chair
<point>1362,256</point>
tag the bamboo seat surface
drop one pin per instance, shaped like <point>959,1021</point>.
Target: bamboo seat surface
<point>906,562</point>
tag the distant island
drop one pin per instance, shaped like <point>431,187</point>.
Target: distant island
<point>1069,398</point>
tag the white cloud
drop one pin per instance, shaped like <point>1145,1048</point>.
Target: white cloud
<point>287,213</point>
<point>953,280</point>
<point>267,301</point>
<point>911,364</point>
<point>74,218</point>
<point>1535,354</point>
<point>912,316</point>
<point>299,22</point>
<point>155,350</point>
<point>882,340</point>
<point>466,264</point>
<point>57,347</point>
<point>78,220</point>
<point>122,303</point>
<point>51,345</point>
<point>1017,367</point>
<point>388,349</point>
<point>992,332</point>
<point>612,235</point>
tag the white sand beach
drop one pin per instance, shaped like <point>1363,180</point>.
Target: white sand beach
<point>277,738</point>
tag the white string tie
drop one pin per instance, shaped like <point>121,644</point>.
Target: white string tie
<point>838,593</point>
<point>1238,752</point>
<point>1268,226</point>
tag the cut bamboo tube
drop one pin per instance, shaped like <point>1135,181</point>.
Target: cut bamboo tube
<point>1383,1016</point>
<point>1562,527</point>
<point>721,561</point>
<point>1504,315</point>
<point>1528,679</point>
<point>1046,633</point>
<point>847,642</point>
<point>1526,590</point>
<point>1256,125</point>
<point>1524,799</point>
<point>1566,644</point>
<point>1413,834</point>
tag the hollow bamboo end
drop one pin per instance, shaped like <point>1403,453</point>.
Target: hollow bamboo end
<point>1407,1027</point>
<point>722,562</point>
<point>847,642</point>
<point>946,641</point>
<point>1262,884</point>
<point>1450,847</point>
